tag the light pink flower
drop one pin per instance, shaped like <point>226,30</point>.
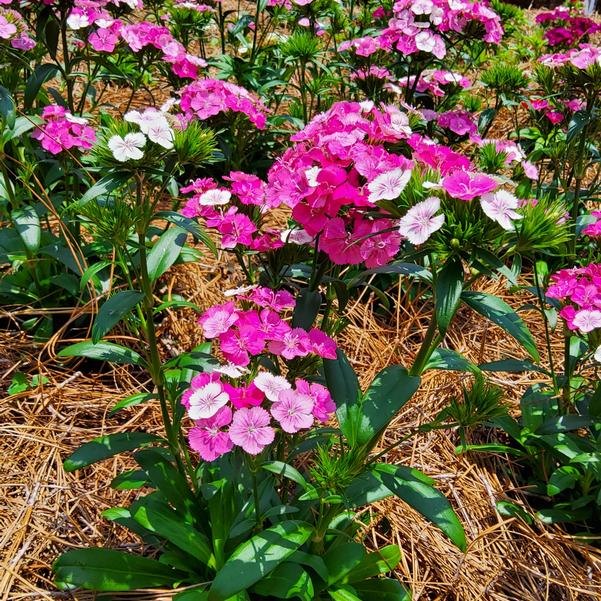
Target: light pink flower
<point>388,185</point>
<point>500,207</point>
<point>293,410</point>
<point>206,401</point>
<point>208,439</point>
<point>271,385</point>
<point>250,430</point>
<point>421,221</point>
<point>587,320</point>
<point>323,405</point>
<point>218,320</point>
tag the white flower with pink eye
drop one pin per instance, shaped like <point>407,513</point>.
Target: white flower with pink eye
<point>587,320</point>
<point>206,401</point>
<point>597,355</point>
<point>161,134</point>
<point>421,221</point>
<point>271,386</point>
<point>311,175</point>
<point>388,185</point>
<point>214,197</point>
<point>500,207</point>
<point>78,21</point>
<point>127,148</point>
<point>425,41</point>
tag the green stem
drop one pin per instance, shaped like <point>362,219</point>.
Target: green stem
<point>431,340</point>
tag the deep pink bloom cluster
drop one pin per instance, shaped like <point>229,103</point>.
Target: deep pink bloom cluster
<point>206,98</point>
<point>335,174</point>
<point>233,411</point>
<point>60,131</point>
<point>583,57</point>
<point>230,211</point>
<point>462,123</point>
<point>243,334</point>
<point>593,230</point>
<point>564,28</point>
<point>14,29</point>
<point>467,185</point>
<point>437,156</point>
<point>580,291</point>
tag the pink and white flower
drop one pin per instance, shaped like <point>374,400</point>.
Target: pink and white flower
<point>293,410</point>
<point>207,400</point>
<point>250,430</point>
<point>388,185</point>
<point>501,207</point>
<point>421,221</point>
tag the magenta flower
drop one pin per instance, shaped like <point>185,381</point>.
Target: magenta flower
<point>293,410</point>
<point>323,405</point>
<point>237,345</point>
<point>245,396</point>
<point>218,320</point>
<point>295,343</point>
<point>465,185</point>
<point>421,221</point>
<point>250,430</point>
<point>208,439</point>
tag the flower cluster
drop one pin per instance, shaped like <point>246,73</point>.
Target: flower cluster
<point>206,98</point>
<point>61,130</point>
<point>13,28</point>
<point>566,29</point>
<point>234,411</point>
<point>153,124</point>
<point>580,291</point>
<point>582,57</point>
<point>437,82</point>
<point>243,334</point>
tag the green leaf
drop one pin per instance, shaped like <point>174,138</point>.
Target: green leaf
<point>416,490</point>
<point>104,447</point>
<point>103,351</point>
<point>376,563</point>
<point>27,223</point>
<point>365,489</point>
<point>168,480</point>
<point>287,581</point>
<point>257,557</point>
<point>489,448</point>
<point>341,559</point>
<point>341,380</point>
<point>306,309</point>
<point>511,366</point>
<point>159,518</point>
<point>105,185</point>
<point>382,589</point>
<point>193,594</point>
<point>512,510</point>
<point>385,397</point>
<point>129,480</point>
<point>449,285</point>
<point>448,359</point>
<point>165,251</point>
<point>133,400</point>
<point>38,78</point>
<point>561,479</point>
<point>564,423</point>
<point>500,313</point>
<point>403,269</point>
<point>344,593</point>
<point>113,311</point>
<point>108,570</point>
<point>91,271</point>
<point>190,226</point>
<point>8,111</point>
<point>283,469</point>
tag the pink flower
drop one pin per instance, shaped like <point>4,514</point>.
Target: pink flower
<point>250,430</point>
<point>293,410</point>
<point>587,320</point>
<point>500,207</point>
<point>466,185</point>
<point>218,319</point>
<point>271,385</point>
<point>206,401</point>
<point>554,117</point>
<point>245,396</point>
<point>208,439</point>
<point>295,343</point>
<point>389,185</point>
<point>323,405</point>
<point>322,344</point>
<point>238,345</point>
<point>421,221</point>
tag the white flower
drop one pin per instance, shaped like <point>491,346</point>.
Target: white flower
<point>78,21</point>
<point>421,221</point>
<point>146,120</point>
<point>161,134</point>
<point>239,291</point>
<point>388,185</point>
<point>206,401</point>
<point>500,207</point>
<point>311,175</point>
<point>587,320</point>
<point>597,355</point>
<point>231,370</point>
<point>271,385</point>
<point>425,41</point>
<point>296,237</point>
<point>422,7</point>
<point>211,198</point>
<point>128,148</point>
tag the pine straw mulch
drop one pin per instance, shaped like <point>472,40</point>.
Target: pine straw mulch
<point>44,511</point>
